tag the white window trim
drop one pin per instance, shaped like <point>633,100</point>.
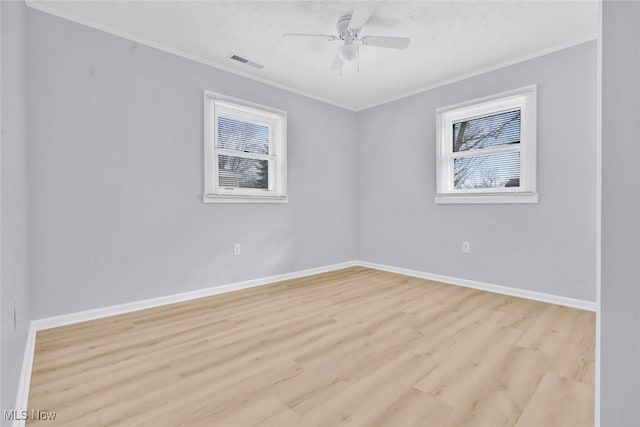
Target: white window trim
<point>523,98</point>
<point>213,193</point>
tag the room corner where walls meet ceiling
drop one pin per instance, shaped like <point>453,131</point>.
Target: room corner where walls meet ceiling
<point>450,40</point>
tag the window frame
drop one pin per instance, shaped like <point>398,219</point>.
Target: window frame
<point>524,99</point>
<point>275,120</point>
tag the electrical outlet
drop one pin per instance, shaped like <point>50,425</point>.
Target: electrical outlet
<point>466,247</point>
<point>15,316</point>
<point>237,250</point>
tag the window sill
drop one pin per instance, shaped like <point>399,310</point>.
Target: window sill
<point>486,198</point>
<point>216,198</point>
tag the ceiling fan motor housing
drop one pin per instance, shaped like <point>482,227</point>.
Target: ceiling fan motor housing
<point>346,33</point>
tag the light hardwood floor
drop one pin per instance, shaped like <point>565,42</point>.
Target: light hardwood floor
<point>356,346</point>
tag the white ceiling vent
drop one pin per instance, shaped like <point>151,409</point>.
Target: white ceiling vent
<point>246,61</point>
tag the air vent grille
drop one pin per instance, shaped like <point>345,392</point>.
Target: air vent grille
<point>239,59</point>
<point>242,60</point>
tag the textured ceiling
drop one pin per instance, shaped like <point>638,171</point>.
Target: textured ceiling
<point>449,38</point>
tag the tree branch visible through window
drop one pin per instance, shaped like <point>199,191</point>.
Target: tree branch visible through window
<point>467,138</point>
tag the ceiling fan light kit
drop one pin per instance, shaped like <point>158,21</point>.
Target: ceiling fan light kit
<point>348,28</point>
<point>348,52</point>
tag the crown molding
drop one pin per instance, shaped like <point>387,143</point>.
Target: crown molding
<point>478,72</point>
<point>46,8</point>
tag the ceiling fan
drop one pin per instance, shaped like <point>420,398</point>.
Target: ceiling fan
<point>349,27</point>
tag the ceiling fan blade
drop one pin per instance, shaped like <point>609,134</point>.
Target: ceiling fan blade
<point>361,15</point>
<point>337,63</point>
<point>328,37</point>
<point>390,42</point>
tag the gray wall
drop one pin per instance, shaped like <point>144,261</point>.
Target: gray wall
<point>620,289</point>
<point>14,266</point>
<point>116,173</point>
<point>547,247</point>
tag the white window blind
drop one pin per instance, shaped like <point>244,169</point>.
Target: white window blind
<point>473,138</point>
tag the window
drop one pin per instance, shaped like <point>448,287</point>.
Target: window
<point>245,151</point>
<point>486,150</point>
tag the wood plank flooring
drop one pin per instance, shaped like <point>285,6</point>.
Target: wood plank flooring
<point>356,347</point>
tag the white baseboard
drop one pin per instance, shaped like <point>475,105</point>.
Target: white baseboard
<point>22,396</point>
<point>514,292</point>
<point>98,313</point>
